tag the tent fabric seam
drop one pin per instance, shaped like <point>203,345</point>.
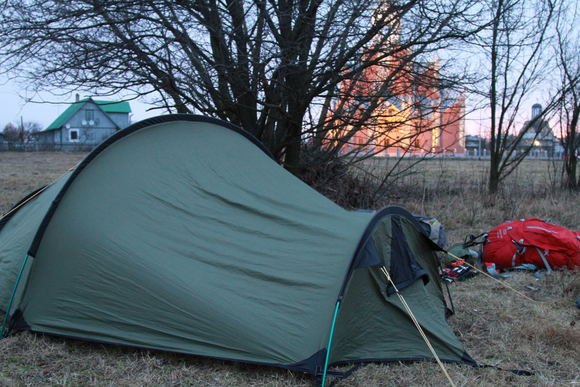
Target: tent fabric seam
<point>4,332</point>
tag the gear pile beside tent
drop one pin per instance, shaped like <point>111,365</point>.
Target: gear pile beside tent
<point>180,233</point>
<point>532,241</point>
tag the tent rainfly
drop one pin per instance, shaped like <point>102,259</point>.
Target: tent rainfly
<point>180,233</point>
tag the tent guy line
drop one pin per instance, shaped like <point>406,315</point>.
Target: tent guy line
<point>489,276</point>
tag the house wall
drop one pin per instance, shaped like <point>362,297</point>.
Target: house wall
<point>121,119</point>
<point>47,137</point>
<point>452,136</point>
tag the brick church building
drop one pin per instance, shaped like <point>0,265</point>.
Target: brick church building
<point>404,109</point>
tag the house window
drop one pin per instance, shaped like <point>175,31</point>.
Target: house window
<point>73,135</point>
<point>89,115</point>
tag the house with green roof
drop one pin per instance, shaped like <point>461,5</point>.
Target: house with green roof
<point>85,124</point>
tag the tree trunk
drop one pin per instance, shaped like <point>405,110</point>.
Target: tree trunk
<point>570,158</point>
<point>293,147</point>
<point>570,162</point>
<point>493,183</point>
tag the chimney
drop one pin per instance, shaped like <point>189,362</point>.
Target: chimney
<point>77,97</point>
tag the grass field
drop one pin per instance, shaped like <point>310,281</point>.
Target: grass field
<point>497,326</point>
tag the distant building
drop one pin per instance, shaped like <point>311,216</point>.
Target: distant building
<point>414,116</point>
<point>476,146</point>
<point>539,137</point>
<point>85,124</point>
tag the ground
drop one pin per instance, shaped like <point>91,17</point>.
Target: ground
<point>497,326</point>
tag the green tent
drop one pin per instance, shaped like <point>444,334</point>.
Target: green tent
<point>180,233</point>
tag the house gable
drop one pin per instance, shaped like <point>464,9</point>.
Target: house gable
<point>106,107</point>
<point>90,115</point>
<point>87,122</point>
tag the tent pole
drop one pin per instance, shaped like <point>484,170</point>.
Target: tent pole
<point>330,343</point>
<point>4,331</point>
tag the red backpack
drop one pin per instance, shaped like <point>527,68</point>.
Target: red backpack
<point>532,241</point>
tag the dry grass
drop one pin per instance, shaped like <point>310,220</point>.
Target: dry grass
<point>21,173</point>
<point>497,326</point>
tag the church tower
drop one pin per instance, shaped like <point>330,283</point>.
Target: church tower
<point>536,110</point>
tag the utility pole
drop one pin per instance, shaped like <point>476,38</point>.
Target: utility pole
<point>479,138</point>
<point>22,130</point>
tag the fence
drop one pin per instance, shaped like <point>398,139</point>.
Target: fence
<point>6,146</point>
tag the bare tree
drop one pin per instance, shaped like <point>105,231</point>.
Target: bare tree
<point>271,67</point>
<point>568,59</point>
<point>22,132</point>
<point>513,47</point>
<point>12,133</point>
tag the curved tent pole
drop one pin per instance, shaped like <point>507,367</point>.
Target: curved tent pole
<point>328,347</point>
<point>4,330</point>
<point>390,210</point>
<point>386,211</point>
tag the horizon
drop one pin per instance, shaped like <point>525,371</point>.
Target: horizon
<point>19,103</point>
